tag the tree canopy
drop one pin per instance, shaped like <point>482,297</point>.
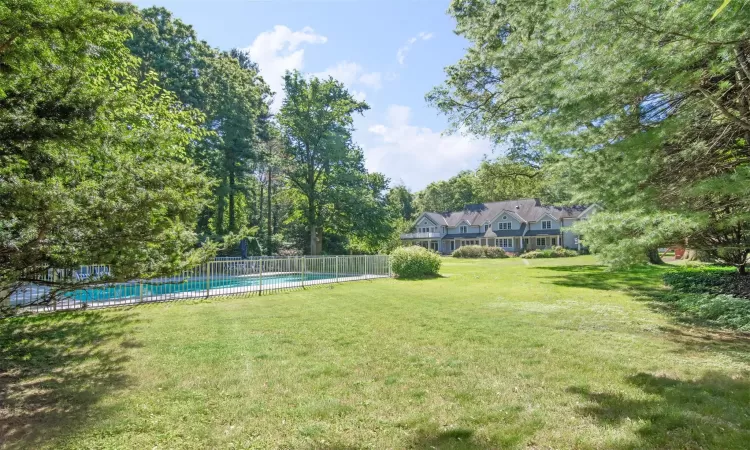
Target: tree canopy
<point>323,165</point>
<point>94,163</point>
<point>642,105</point>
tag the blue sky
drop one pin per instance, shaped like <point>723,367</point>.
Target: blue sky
<point>389,52</point>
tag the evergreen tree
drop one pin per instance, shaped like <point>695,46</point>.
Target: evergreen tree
<point>93,156</point>
<point>644,105</point>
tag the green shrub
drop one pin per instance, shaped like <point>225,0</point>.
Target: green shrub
<point>709,280</point>
<point>532,254</point>
<point>713,294</point>
<point>721,310</point>
<point>494,252</point>
<point>469,251</point>
<point>556,252</point>
<point>414,262</point>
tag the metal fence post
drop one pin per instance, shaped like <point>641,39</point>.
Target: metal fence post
<point>337,269</point>
<point>303,271</point>
<point>54,283</point>
<point>140,290</point>
<point>208,278</point>
<point>260,290</point>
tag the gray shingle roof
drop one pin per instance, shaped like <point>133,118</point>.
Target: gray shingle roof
<point>505,233</point>
<point>463,235</point>
<point>528,209</point>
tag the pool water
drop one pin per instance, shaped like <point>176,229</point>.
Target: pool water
<point>189,285</point>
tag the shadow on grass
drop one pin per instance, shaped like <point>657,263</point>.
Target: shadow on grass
<point>425,278</point>
<point>710,412</point>
<point>54,368</point>
<point>641,280</point>
<point>455,438</point>
<point>646,284</point>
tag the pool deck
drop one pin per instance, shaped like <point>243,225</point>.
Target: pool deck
<point>260,289</point>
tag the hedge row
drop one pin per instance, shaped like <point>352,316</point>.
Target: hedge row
<point>557,252</point>
<point>477,251</point>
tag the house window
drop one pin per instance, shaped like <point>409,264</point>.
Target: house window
<point>505,217</point>
<point>546,224</point>
<point>541,242</point>
<point>504,242</point>
<point>554,241</point>
<point>504,226</point>
<point>525,242</point>
<point>463,229</point>
<point>486,226</point>
<point>453,245</point>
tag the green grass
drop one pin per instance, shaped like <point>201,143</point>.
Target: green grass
<point>494,354</point>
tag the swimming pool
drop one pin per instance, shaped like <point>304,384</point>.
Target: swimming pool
<point>195,286</point>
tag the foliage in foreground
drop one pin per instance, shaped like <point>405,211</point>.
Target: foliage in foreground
<point>709,280</point>
<point>716,295</point>
<point>415,262</point>
<point>625,239</point>
<point>657,120</point>
<point>477,251</point>
<point>93,163</point>
<point>557,252</point>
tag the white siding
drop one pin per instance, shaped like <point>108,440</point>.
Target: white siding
<point>469,229</point>
<point>538,225</point>
<point>424,222</point>
<point>514,223</point>
<point>569,238</point>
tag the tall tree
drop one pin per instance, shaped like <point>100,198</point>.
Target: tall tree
<point>226,87</point>
<point>316,120</point>
<point>644,104</point>
<point>449,195</point>
<point>401,202</point>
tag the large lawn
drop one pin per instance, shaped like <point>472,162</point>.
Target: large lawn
<point>496,354</point>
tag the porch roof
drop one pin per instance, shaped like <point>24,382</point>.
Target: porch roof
<point>463,236</point>
<point>543,233</point>
<point>505,233</point>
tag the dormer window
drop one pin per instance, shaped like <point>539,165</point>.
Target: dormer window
<point>463,229</point>
<point>486,226</point>
<point>505,217</point>
<point>546,224</point>
<point>504,225</point>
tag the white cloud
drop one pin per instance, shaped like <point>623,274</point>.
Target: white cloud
<point>401,53</point>
<point>358,95</point>
<point>373,80</point>
<point>353,74</point>
<point>278,50</point>
<point>419,155</point>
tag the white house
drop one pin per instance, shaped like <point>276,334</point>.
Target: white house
<point>514,225</point>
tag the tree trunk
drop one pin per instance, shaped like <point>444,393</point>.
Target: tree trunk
<point>231,202</point>
<point>313,238</point>
<point>269,230</point>
<point>260,211</point>
<point>311,221</point>
<point>654,257</point>
<point>742,268</point>
<point>220,210</point>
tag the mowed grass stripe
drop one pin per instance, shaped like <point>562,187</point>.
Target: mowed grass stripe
<point>495,354</point>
